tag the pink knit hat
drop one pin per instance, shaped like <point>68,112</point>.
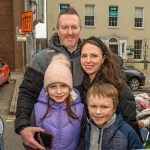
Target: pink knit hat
<point>58,71</point>
<point>140,100</point>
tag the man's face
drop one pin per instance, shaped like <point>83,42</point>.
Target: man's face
<point>69,29</point>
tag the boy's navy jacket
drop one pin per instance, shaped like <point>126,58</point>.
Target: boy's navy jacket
<point>116,136</point>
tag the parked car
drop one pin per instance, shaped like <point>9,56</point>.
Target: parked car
<point>5,75</point>
<point>135,78</point>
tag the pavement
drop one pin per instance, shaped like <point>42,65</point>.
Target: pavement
<point>18,76</point>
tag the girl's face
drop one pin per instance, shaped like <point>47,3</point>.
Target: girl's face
<point>101,109</point>
<point>139,107</point>
<point>58,92</point>
<point>91,59</point>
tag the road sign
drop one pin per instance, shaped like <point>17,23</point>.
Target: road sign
<point>27,20</point>
<point>20,31</point>
<point>21,36</point>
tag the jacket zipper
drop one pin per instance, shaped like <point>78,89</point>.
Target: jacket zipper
<point>99,140</point>
<point>59,130</point>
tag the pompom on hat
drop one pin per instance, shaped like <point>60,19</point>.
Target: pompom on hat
<point>58,71</point>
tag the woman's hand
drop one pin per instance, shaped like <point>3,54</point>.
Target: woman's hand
<point>27,135</point>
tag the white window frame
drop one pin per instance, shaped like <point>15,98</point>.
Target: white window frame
<point>89,16</point>
<point>138,49</point>
<point>139,17</point>
<point>113,20</point>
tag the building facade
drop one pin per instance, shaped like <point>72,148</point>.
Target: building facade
<point>123,25</point>
<point>12,47</point>
<point>10,18</point>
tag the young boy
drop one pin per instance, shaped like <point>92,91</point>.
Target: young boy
<point>106,129</point>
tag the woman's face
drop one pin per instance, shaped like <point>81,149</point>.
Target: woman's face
<point>91,59</point>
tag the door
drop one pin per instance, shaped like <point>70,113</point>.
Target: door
<point>114,48</point>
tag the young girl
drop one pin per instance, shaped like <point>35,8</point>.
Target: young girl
<point>106,130</point>
<point>59,109</point>
<point>143,114</point>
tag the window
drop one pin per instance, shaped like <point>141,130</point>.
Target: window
<point>113,16</point>
<point>138,49</point>
<point>138,17</point>
<point>63,6</point>
<point>89,15</point>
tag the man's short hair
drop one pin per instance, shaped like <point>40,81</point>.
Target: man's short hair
<point>69,11</point>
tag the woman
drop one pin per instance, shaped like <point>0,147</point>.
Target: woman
<point>99,63</point>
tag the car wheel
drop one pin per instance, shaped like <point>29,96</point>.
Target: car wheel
<point>9,79</point>
<point>134,83</point>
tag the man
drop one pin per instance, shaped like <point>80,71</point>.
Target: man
<point>65,41</point>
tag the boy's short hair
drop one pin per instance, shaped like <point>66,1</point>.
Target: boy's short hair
<point>102,89</point>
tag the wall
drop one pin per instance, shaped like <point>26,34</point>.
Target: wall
<point>138,65</point>
<point>10,17</point>
<point>125,19</point>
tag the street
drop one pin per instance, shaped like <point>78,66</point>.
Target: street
<point>12,141</point>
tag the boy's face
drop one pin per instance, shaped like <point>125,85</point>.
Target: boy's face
<point>101,109</point>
